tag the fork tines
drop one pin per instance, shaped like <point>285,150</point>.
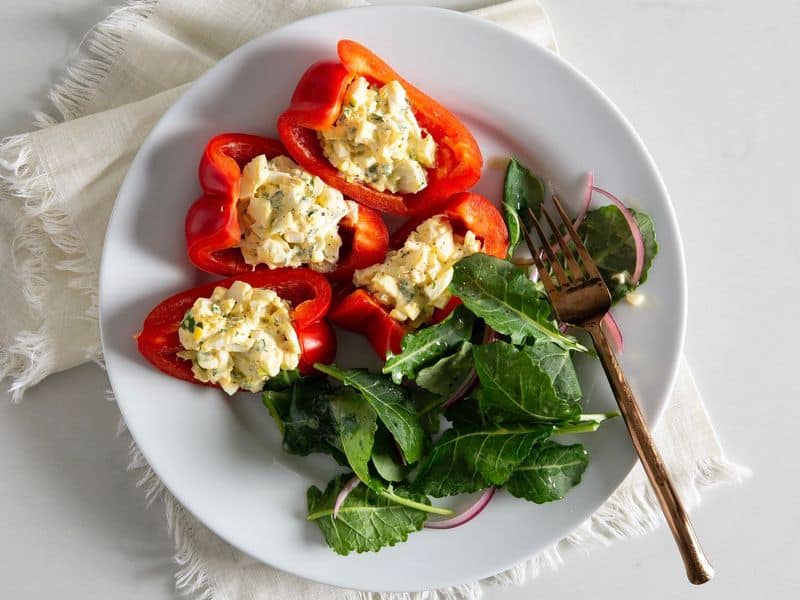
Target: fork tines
<point>581,268</point>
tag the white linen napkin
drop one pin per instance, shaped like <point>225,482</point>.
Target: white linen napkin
<point>58,185</point>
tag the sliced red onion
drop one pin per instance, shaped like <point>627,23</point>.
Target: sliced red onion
<point>522,262</point>
<point>587,200</point>
<point>400,456</point>
<point>462,390</point>
<point>635,232</point>
<point>611,326</point>
<point>489,335</point>
<point>534,276</point>
<point>343,494</point>
<point>466,516</point>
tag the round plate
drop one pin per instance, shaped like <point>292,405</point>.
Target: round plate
<point>221,458</point>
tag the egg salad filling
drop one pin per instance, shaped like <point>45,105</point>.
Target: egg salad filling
<point>239,337</point>
<point>289,217</point>
<point>377,140</point>
<point>413,280</point>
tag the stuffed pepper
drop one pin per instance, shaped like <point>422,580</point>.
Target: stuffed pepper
<point>366,131</point>
<point>260,210</point>
<point>410,288</point>
<point>240,332</point>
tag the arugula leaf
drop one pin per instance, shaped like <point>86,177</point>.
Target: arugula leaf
<point>608,239</point>
<point>466,412</point>
<point>384,457</point>
<point>428,344</point>
<point>549,472</point>
<point>429,407</point>
<point>470,459</point>
<point>283,380</point>
<point>277,404</point>
<point>356,422</point>
<point>308,425</point>
<point>367,521</point>
<point>447,374</point>
<point>514,389</point>
<point>521,190</point>
<point>391,402</point>
<point>557,363</point>
<point>510,303</point>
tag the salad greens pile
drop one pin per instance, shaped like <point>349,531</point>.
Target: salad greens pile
<point>496,375</point>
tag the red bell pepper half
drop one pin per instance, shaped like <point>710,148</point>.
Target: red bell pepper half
<point>359,311</point>
<point>213,232</point>
<point>309,294</point>
<point>316,105</point>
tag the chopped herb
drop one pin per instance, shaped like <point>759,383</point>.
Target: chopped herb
<point>189,323</point>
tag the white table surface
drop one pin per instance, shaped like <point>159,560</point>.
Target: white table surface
<point>713,87</point>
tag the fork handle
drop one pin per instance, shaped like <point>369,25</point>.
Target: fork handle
<point>698,568</point>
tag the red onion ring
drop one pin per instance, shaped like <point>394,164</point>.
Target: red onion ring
<point>534,276</point>
<point>614,332</point>
<point>466,516</point>
<point>587,200</point>
<point>462,390</point>
<point>343,494</point>
<point>400,454</point>
<point>638,241</point>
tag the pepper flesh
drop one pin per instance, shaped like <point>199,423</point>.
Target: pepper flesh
<point>308,292</point>
<point>213,231</point>
<point>316,105</point>
<point>359,311</point>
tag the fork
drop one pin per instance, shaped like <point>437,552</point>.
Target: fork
<point>581,298</point>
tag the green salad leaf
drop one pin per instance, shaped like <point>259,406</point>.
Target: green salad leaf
<point>308,425</point>
<point>608,239</point>
<point>549,472</point>
<point>283,380</point>
<point>470,459</point>
<point>557,363</point>
<point>385,457</point>
<point>510,303</point>
<point>391,402</point>
<point>277,404</point>
<point>367,521</point>
<point>429,344</point>
<point>429,408</point>
<point>467,412</point>
<point>447,374</point>
<point>521,190</point>
<point>277,394</point>
<point>515,389</point>
<point>356,423</point>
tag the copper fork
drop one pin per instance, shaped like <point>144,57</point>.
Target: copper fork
<point>581,298</point>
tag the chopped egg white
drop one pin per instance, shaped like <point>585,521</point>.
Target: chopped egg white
<point>634,298</point>
<point>414,279</point>
<point>239,337</point>
<point>289,217</point>
<point>378,141</point>
<point>620,278</point>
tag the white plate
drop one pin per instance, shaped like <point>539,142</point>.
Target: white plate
<point>222,458</point>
